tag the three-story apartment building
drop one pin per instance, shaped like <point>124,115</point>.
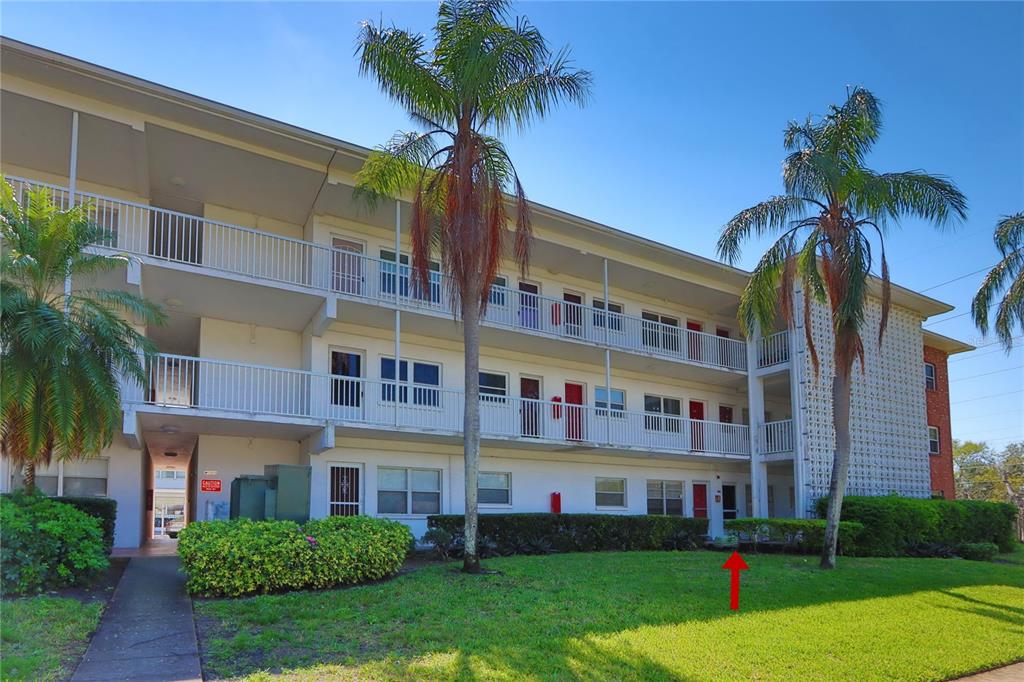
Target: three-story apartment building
<point>614,377</point>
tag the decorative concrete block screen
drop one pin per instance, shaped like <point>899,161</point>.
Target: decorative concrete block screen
<point>888,413</point>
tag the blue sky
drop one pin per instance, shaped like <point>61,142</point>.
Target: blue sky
<point>685,125</point>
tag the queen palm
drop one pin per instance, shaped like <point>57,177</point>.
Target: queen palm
<point>482,78</point>
<point>1007,274</point>
<point>831,223</point>
<point>63,354</point>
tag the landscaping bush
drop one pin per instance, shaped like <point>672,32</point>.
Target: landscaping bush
<point>894,526</point>
<point>103,508</point>
<point>47,544</point>
<point>241,556</point>
<point>796,535</point>
<point>543,533</point>
<point>977,551</point>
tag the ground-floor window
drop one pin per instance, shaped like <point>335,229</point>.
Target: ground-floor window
<point>610,492</point>
<point>80,478</point>
<point>665,497</point>
<point>494,487</point>
<point>408,491</point>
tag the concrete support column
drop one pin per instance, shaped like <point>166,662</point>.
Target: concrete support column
<point>755,407</point>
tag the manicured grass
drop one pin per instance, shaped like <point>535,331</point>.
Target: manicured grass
<point>40,637</point>
<point>643,615</point>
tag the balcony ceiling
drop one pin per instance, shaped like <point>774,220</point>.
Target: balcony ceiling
<point>37,134</point>
<point>194,169</point>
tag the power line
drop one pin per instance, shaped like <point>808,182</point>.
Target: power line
<point>979,416</point>
<point>971,354</point>
<point>987,374</point>
<point>956,279</point>
<point>947,319</point>
<point>985,397</point>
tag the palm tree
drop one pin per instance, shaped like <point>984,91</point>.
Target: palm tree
<point>832,210</point>
<point>1007,274</point>
<point>63,354</point>
<point>482,78</point>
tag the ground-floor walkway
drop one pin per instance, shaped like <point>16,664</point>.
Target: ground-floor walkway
<point>147,631</point>
<point>1011,673</point>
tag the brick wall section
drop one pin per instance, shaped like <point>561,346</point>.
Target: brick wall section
<point>938,415</point>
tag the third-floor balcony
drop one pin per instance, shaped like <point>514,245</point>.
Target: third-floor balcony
<point>163,236</point>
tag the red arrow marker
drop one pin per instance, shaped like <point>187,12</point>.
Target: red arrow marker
<point>735,564</point>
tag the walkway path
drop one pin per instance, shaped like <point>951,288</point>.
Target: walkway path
<point>1010,673</point>
<point>147,632</point>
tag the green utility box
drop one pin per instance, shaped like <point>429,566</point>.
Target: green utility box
<point>288,492</point>
<point>248,497</point>
<point>282,492</point>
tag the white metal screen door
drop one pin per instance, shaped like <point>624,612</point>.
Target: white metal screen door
<point>344,490</point>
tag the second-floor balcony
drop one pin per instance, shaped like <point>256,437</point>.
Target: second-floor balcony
<point>214,387</point>
<point>158,234</point>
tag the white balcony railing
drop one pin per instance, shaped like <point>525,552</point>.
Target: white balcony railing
<point>196,383</point>
<point>777,437</point>
<point>773,350</point>
<point>191,240</point>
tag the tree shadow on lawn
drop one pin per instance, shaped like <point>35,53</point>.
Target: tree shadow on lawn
<point>554,616</point>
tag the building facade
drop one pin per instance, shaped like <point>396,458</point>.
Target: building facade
<point>613,377</point>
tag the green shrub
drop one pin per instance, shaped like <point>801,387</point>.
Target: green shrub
<point>46,544</point>
<point>103,508</point>
<point>977,551</point>
<point>238,557</point>
<point>895,525</point>
<point>797,535</point>
<point>542,533</point>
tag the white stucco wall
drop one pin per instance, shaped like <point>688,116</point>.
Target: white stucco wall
<point>231,457</point>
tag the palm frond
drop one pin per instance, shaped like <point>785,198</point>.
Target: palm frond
<point>769,216</point>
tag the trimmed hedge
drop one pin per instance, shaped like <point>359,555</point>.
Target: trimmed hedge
<point>977,551</point>
<point>46,544</point>
<point>542,533</point>
<point>103,508</point>
<point>799,535</point>
<point>893,525</point>
<point>241,556</point>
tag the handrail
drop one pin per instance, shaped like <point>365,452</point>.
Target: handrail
<point>170,235</point>
<point>177,381</point>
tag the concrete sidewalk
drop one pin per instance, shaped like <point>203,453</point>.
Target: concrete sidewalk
<point>1010,673</point>
<point>147,631</point>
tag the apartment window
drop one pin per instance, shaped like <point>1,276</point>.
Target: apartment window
<point>665,498</point>
<point>404,278</point>
<point>170,474</point>
<point>655,406</point>
<point>614,315</point>
<point>408,491</point>
<point>494,488</point>
<point>933,440</point>
<point>493,387</point>
<point>424,375</point>
<point>661,331</point>
<point>610,492</point>
<point>80,478</point>
<point>929,376</point>
<point>618,401</point>
<point>499,291</point>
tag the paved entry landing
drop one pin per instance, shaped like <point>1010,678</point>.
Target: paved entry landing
<point>147,631</point>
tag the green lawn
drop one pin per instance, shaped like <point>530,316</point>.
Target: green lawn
<point>644,615</point>
<point>41,636</point>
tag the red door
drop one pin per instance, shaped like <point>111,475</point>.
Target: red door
<point>573,415</point>
<point>694,340</point>
<point>700,500</point>
<point>696,425</point>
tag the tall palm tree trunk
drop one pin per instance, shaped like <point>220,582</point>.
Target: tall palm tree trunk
<point>28,477</point>
<point>841,463</point>
<point>471,425</point>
